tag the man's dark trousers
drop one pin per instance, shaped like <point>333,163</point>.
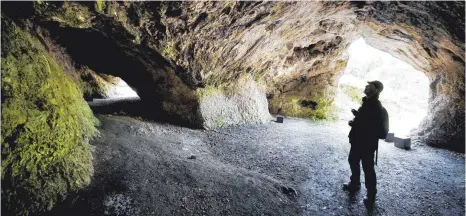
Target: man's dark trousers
<point>366,155</point>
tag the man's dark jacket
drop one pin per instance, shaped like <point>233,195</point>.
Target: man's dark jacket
<point>367,124</point>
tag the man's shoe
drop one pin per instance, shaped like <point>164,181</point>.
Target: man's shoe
<point>351,187</point>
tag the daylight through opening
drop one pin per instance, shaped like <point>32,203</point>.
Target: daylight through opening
<point>121,90</point>
<point>107,87</point>
<point>405,94</point>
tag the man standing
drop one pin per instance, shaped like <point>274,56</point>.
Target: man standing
<point>364,141</point>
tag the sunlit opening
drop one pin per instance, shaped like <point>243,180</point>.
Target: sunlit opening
<point>121,90</point>
<point>405,94</point>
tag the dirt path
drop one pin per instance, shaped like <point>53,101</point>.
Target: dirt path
<point>294,168</point>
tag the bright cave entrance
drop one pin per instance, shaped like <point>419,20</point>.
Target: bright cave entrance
<point>112,95</point>
<point>405,94</point>
<point>121,90</point>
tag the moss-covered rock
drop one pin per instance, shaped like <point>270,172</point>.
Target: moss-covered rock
<point>66,13</point>
<point>182,102</point>
<point>94,85</point>
<point>295,106</point>
<point>46,126</point>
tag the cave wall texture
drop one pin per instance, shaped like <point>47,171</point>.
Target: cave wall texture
<point>176,54</point>
<point>209,64</point>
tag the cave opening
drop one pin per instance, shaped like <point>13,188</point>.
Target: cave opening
<point>121,89</point>
<point>111,57</point>
<point>405,94</point>
<point>112,95</point>
<point>112,88</point>
<point>140,83</point>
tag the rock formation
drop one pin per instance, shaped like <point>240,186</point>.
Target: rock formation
<point>46,126</point>
<point>208,64</point>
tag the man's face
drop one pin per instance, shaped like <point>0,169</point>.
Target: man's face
<point>370,89</point>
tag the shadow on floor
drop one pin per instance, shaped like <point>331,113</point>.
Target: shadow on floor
<point>136,108</point>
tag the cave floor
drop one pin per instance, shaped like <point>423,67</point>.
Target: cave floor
<point>294,168</point>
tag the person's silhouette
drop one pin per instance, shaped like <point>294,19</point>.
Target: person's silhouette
<point>364,141</point>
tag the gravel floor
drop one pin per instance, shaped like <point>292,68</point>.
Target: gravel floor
<point>294,168</point>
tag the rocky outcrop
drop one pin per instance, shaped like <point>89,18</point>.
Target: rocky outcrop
<point>244,103</point>
<point>170,51</point>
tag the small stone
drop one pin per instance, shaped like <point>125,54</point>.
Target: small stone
<point>192,157</point>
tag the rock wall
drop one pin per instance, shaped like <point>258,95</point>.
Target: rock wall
<point>170,50</point>
<point>243,102</point>
<point>46,126</point>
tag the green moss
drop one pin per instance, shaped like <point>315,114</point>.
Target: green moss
<point>70,14</point>
<point>340,65</point>
<point>225,86</point>
<point>291,106</point>
<point>119,13</point>
<point>226,78</point>
<point>99,5</point>
<point>259,74</point>
<point>170,50</point>
<point>46,126</point>
<point>181,101</point>
<point>208,91</point>
<point>230,4</point>
<point>354,93</point>
<point>218,123</point>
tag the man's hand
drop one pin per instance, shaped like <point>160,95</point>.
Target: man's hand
<point>350,123</point>
<point>355,112</point>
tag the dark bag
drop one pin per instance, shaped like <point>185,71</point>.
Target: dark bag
<point>385,124</point>
<point>384,127</point>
